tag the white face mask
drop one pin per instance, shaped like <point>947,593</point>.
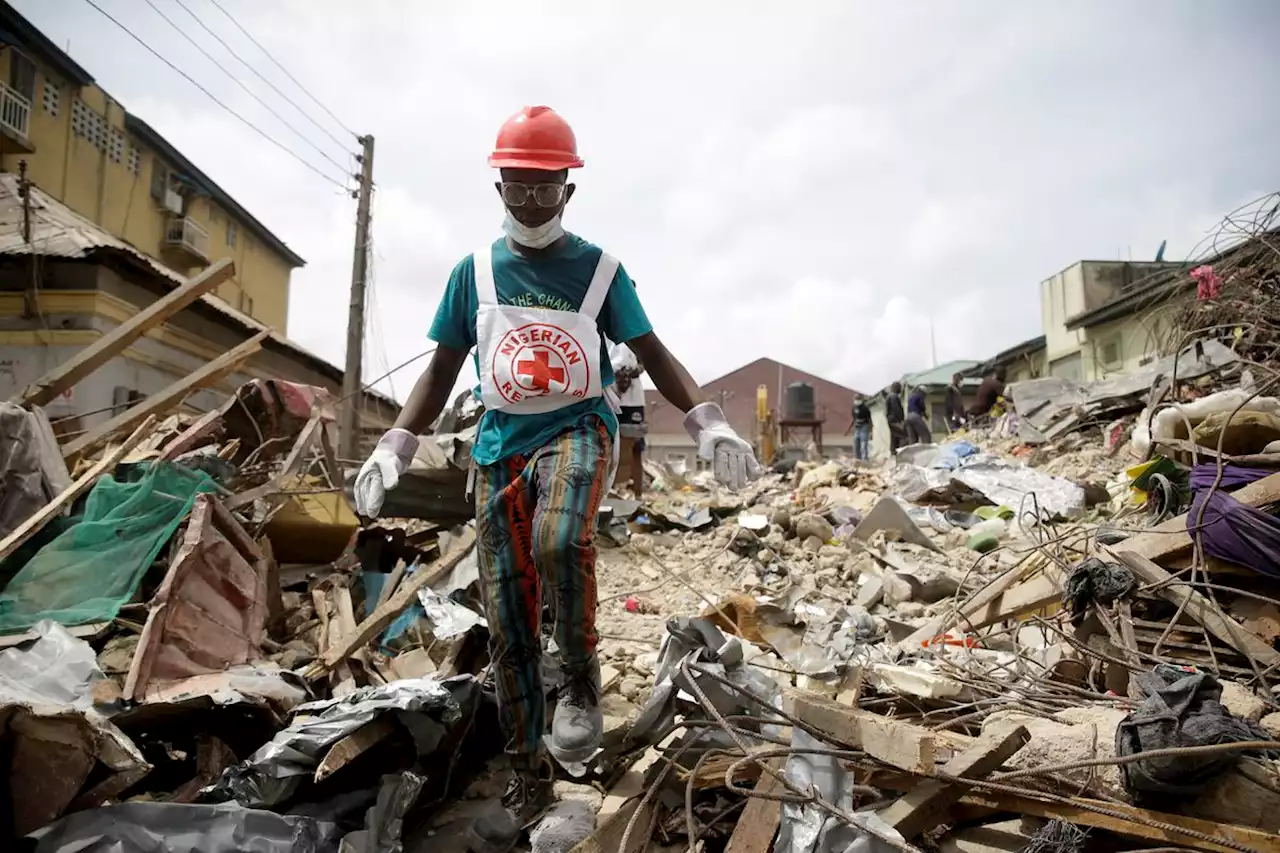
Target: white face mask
<point>533,236</point>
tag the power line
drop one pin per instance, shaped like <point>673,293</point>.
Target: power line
<point>241,84</point>
<point>214,97</point>
<point>259,75</point>
<point>274,62</point>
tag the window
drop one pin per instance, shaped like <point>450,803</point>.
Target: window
<point>678,461</point>
<point>135,160</point>
<point>89,124</point>
<point>1109,352</point>
<point>702,464</point>
<point>246,303</point>
<point>115,147</point>
<point>52,98</point>
<point>232,228</point>
<point>22,75</point>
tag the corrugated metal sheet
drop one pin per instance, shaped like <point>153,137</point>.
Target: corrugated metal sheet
<point>58,231</point>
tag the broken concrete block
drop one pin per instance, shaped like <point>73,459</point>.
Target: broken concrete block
<point>811,524</point>
<point>812,544</point>
<point>1241,701</point>
<point>1271,722</point>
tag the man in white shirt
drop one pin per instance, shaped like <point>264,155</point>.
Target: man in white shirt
<point>631,424</point>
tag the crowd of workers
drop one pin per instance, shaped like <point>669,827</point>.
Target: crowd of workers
<point>910,425</point>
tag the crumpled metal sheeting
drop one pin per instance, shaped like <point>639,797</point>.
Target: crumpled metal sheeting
<point>807,828</point>
<point>998,480</point>
<point>1025,489</point>
<point>272,774</point>
<point>182,828</point>
<point>210,612</point>
<point>700,640</point>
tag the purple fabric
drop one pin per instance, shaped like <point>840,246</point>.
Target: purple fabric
<point>1230,530</point>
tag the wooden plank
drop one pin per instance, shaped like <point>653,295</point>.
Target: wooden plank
<point>893,742</point>
<point>354,745</point>
<point>981,601</point>
<point>68,495</point>
<point>608,835</point>
<point>89,359</point>
<point>382,616</point>
<point>759,821</point>
<point>926,805</point>
<point>1201,609</point>
<point>165,399</point>
<point>390,584</point>
<point>1170,539</point>
<point>1134,822</point>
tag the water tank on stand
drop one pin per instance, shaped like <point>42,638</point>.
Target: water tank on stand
<point>798,404</point>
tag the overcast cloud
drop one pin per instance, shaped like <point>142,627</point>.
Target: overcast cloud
<point>810,185</point>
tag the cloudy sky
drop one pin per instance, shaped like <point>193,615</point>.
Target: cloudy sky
<point>814,185</point>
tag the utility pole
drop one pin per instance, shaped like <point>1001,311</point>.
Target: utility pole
<point>349,410</point>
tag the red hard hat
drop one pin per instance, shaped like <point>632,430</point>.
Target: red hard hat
<point>536,138</point>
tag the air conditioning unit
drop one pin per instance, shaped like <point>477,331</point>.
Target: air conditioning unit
<point>173,202</point>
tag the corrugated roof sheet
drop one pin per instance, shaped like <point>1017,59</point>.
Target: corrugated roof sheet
<point>58,231</point>
<point>940,375</point>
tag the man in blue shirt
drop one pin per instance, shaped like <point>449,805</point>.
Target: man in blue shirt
<point>536,306</point>
<point>917,418</point>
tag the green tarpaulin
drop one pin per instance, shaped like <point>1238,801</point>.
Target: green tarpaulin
<point>90,570</point>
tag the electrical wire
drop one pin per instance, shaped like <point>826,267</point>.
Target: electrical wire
<point>259,75</point>
<point>268,137</point>
<point>277,64</point>
<point>242,85</point>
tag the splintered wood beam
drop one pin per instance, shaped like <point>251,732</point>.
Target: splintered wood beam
<point>383,615</point>
<point>1201,609</point>
<point>926,805</point>
<point>89,359</point>
<point>167,398</point>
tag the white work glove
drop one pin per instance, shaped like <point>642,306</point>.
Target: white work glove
<point>381,471</point>
<point>732,459</point>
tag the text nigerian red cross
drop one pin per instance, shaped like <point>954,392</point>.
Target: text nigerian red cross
<point>540,371</point>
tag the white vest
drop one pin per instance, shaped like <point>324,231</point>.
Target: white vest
<point>535,360</point>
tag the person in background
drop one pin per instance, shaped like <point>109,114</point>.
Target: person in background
<point>954,403</point>
<point>991,390</point>
<point>860,426</point>
<point>631,423</point>
<point>894,415</point>
<point>917,418</point>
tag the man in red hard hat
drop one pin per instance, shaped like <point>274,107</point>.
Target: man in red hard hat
<point>536,306</point>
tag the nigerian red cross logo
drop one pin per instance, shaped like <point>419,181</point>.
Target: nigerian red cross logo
<point>540,360</point>
<point>539,371</point>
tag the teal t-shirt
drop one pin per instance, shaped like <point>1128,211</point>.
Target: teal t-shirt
<point>557,281</point>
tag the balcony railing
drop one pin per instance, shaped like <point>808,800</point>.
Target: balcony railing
<point>15,111</point>
<point>187,235</point>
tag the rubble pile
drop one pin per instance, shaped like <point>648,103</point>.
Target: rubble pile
<point>1063,637</point>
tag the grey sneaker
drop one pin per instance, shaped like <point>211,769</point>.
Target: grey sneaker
<point>577,729</point>
<point>529,793</point>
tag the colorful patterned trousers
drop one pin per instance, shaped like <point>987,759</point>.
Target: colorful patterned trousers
<point>535,523</point>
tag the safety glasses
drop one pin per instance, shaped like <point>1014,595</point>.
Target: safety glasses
<point>544,195</point>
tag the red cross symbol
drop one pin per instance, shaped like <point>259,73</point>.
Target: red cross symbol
<point>540,371</point>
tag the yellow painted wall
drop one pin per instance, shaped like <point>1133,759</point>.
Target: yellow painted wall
<point>107,190</point>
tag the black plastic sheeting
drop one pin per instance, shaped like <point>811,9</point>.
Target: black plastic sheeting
<point>181,828</point>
